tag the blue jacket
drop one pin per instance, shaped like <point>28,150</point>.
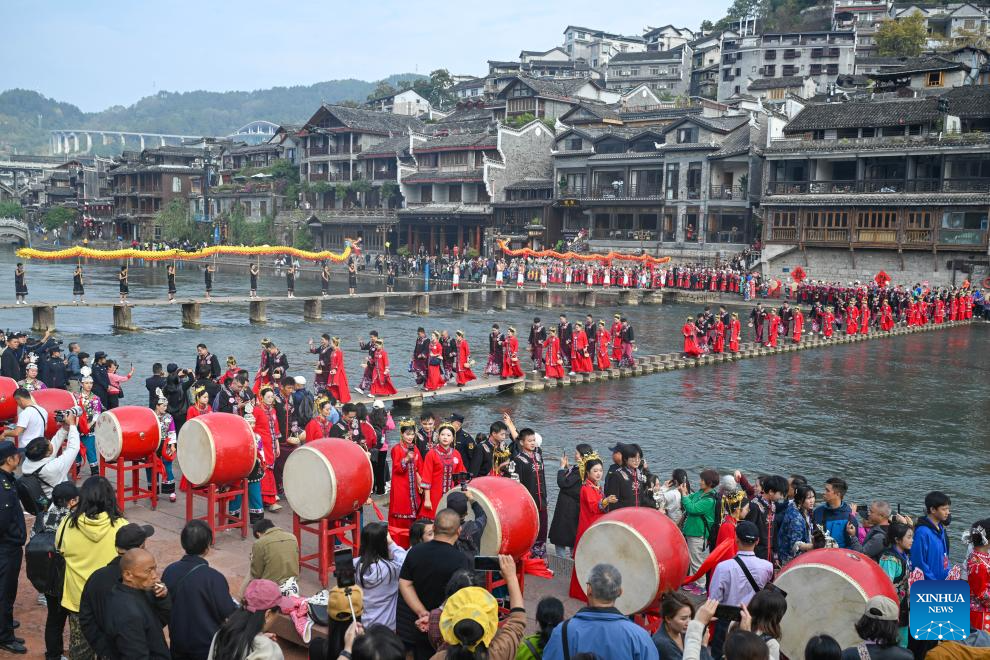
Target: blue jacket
<point>834,521</point>
<point>792,530</point>
<point>200,604</point>
<point>930,551</point>
<point>605,632</point>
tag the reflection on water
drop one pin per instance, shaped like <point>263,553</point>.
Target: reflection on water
<point>896,417</point>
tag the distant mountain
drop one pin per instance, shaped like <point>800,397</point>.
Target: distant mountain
<point>26,116</point>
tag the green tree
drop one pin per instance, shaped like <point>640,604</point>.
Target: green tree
<point>904,37</point>
<point>382,89</point>
<point>11,210</point>
<point>302,238</point>
<point>436,88</point>
<point>707,26</point>
<point>58,217</point>
<point>178,225</point>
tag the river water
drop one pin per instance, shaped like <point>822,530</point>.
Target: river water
<point>895,417</point>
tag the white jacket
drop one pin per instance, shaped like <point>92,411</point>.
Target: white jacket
<point>55,468</point>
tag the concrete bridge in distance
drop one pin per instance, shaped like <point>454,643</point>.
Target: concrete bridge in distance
<point>81,140</point>
<point>16,231</point>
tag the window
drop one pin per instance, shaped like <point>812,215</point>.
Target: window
<point>687,135</point>
<point>964,220</point>
<point>264,208</point>
<point>176,184</point>
<point>576,183</point>
<point>426,193</point>
<point>634,72</point>
<point>648,221</point>
<point>877,219</point>
<point>832,69</point>
<point>784,219</point>
<point>654,71</point>
<point>694,181</point>
<point>769,71</point>
<point>770,55</point>
<point>581,35</point>
<point>460,158</point>
<point>574,144</point>
<point>827,220</point>
<point>454,193</point>
<point>776,94</point>
<point>521,90</point>
<point>919,220</point>
<point>934,79</point>
<point>672,183</point>
<point>624,221</point>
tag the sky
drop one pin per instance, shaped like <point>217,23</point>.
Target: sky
<point>100,53</point>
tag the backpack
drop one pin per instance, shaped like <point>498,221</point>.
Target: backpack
<point>306,409</point>
<point>31,492</point>
<point>44,563</point>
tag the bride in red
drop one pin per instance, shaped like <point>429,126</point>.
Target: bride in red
<point>434,372</point>
<point>593,505</point>
<point>735,328</point>
<point>602,339</point>
<point>798,319</point>
<point>691,348</point>
<point>464,373</point>
<point>553,368</point>
<point>719,346</point>
<point>266,426</point>
<point>510,356</point>
<point>439,467</point>
<point>381,378</point>
<point>337,380</point>
<point>580,359</point>
<point>404,498</point>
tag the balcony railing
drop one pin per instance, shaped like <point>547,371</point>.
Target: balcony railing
<point>962,236</point>
<point>874,186</point>
<point>831,235</point>
<point>318,176</point>
<point>892,237</point>
<point>876,236</point>
<point>727,192</point>
<point>608,192</point>
<point>783,234</point>
<point>317,151</point>
<point>919,236</point>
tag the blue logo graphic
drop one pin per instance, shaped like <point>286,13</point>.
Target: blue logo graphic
<point>939,610</point>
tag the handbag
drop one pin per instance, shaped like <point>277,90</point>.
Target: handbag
<point>45,564</point>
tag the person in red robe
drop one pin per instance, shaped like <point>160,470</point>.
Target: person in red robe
<point>828,323</point>
<point>616,333</point>
<point>886,317</point>
<point>404,500</point>
<point>510,356</point>
<point>442,462</point>
<point>719,345</point>
<point>201,403</point>
<point>464,373</point>
<point>864,319</point>
<point>580,357</point>
<point>593,504</point>
<point>434,372</point>
<point>774,330</point>
<point>797,318</point>
<point>552,364</point>
<point>852,318</point>
<point>337,378</point>
<point>381,376</point>
<point>735,329</point>
<point>320,425</point>
<point>266,426</point>
<point>939,311</point>
<point>602,339</point>
<point>953,308</point>
<point>689,331</point>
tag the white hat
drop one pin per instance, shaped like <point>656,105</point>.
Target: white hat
<point>300,380</point>
<point>85,371</point>
<point>378,404</point>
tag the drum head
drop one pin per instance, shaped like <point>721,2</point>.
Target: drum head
<point>197,455</point>
<point>619,544</point>
<point>109,436</point>
<point>491,538</point>
<point>820,599</point>
<point>312,490</point>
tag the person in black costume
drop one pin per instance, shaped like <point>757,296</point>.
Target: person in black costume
<point>563,527</point>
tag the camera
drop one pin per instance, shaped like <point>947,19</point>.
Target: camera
<point>461,479</point>
<point>60,415</point>
<point>343,568</point>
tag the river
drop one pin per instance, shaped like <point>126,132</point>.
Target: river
<point>895,417</point>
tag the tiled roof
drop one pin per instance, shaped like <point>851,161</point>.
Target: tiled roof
<point>627,155</point>
<point>457,140</point>
<point>969,102</point>
<point>923,65</point>
<point>530,184</point>
<point>600,110</point>
<point>648,56</point>
<point>468,84</point>
<point>854,114</point>
<point>438,176</point>
<point>735,143</point>
<point>777,83</point>
<point>447,209</point>
<point>560,88</point>
<point>373,122</point>
<point>897,144</point>
<point>721,124</point>
<point>462,115</point>
<point>253,149</point>
<point>168,150</point>
<point>391,146</point>
<point>879,199</point>
<point>658,113</point>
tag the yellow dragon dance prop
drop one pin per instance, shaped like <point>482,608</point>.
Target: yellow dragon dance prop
<point>78,252</point>
<point>569,256</point>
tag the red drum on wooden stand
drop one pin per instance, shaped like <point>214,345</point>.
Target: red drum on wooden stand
<point>126,440</point>
<point>216,452</point>
<point>130,433</point>
<point>827,591</point>
<point>647,548</point>
<point>51,400</point>
<point>8,406</point>
<point>326,483</point>
<point>513,520</point>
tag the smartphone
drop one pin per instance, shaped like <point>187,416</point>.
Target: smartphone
<point>343,567</point>
<point>486,563</point>
<point>728,613</point>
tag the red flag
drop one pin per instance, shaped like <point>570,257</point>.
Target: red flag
<point>378,512</point>
<point>536,567</point>
<point>721,552</point>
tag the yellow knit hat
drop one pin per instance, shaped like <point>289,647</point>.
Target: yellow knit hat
<point>470,603</point>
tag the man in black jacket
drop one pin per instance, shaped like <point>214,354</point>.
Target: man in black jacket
<point>138,609</point>
<point>13,535</point>
<point>765,511</point>
<point>207,364</point>
<point>154,383</point>
<point>101,381</point>
<point>177,384</point>
<point>200,595</point>
<point>96,594</point>
<point>10,364</point>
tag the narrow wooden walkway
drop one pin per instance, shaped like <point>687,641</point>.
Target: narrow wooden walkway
<point>417,397</point>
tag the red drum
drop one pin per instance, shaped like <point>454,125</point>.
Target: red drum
<point>51,400</point>
<point>8,406</point>
<point>127,432</point>
<point>218,448</point>
<point>647,548</point>
<point>327,478</point>
<point>827,591</point>
<point>513,520</point>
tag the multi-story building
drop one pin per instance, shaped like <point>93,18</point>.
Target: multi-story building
<point>254,156</point>
<point>686,188</point>
<point>863,16</point>
<point>668,37</point>
<point>469,89</point>
<point>925,74</point>
<point>146,182</point>
<point>596,47</point>
<point>819,55</point>
<point>706,53</point>
<point>861,186</point>
<point>545,98</point>
<point>666,72</point>
<point>946,22</point>
<point>403,102</point>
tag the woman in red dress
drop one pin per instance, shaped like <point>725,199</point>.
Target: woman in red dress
<point>735,329</point>
<point>201,403</point>
<point>580,359</point>
<point>510,356</point>
<point>939,310</point>
<point>828,323</point>
<point>864,319</point>
<point>689,331</point>
<point>266,426</point>
<point>439,467</point>
<point>602,339</point>
<point>798,319</point>
<point>381,378</point>
<point>464,373</point>
<point>404,499</point>
<point>886,317</point>
<point>852,318</point>
<point>553,367</point>
<point>719,346</point>
<point>319,426</point>
<point>593,505</point>
<point>337,379</point>
<point>434,372</point>
<point>978,568</point>
<point>774,329</point>
<point>616,333</point>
